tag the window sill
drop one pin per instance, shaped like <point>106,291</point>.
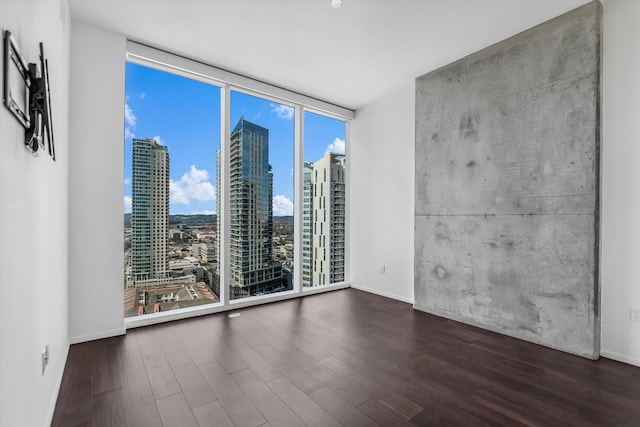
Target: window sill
<point>203,310</point>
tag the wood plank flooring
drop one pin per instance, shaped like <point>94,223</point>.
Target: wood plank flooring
<point>341,358</point>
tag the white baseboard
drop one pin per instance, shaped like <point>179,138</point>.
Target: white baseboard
<point>620,357</point>
<point>382,294</point>
<point>56,390</point>
<point>97,336</point>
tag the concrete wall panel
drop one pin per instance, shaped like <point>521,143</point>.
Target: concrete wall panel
<point>524,276</point>
<point>507,155</point>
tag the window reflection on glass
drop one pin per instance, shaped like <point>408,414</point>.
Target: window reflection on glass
<point>260,197</point>
<point>323,203</point>
<point>172,133</point>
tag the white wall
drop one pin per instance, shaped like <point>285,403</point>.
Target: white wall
<point>382,195</point>
<point>95,183</point>
<point>620,266</point>
<point>33,229</point>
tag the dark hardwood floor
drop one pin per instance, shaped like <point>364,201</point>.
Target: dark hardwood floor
<point>341,358</point>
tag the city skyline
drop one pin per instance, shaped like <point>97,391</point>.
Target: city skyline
<point>174,268</point>
<point>183,114</point>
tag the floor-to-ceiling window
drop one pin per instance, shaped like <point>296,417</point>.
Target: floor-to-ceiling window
<point>261,197</point>
<point>172,134</point>
<point>235,191</point>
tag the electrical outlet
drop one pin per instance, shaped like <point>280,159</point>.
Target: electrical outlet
<point>635,314</point>
<point>45,358</point>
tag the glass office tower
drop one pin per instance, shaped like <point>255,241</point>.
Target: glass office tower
<point>252,270</point>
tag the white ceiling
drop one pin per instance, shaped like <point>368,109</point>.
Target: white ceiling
<point>348,56</point>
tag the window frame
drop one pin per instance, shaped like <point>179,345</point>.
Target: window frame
<point>227,82</point>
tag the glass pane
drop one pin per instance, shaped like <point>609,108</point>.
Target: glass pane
<point>172,133</point>
<point>260,197</point>
<point>323,203</point>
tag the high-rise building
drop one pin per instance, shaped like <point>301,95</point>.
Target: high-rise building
<point>149,211</point>
<point>252,269</point>
<point>219,202</point>
<point>323,221</point>
<point>307,224</point>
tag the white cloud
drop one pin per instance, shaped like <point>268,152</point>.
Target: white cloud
<point>130,121</point>
<point>142,95</point>
<point>282,206</point>
<point>204,212</point>
<point>127,181</point>
<point>337,146</point>
<point>127,204</point>
<point>160,141</point>
<point>282,111</point>
<point>193,186</point>
<point>129,116</point>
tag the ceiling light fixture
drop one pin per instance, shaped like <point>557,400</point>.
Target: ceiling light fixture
<point>335,3</point>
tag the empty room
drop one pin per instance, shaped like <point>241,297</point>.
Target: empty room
<point>319,213</point>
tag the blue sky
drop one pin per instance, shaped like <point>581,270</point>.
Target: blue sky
<point>184,115</point>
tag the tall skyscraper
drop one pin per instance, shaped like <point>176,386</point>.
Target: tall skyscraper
<point>323,235</point>
<point>219,202</point>
<point>149,210</point>
<point>307,224</point>
<point>251,266</point>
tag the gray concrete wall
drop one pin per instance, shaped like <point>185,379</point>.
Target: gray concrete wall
<point>507,200</point>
